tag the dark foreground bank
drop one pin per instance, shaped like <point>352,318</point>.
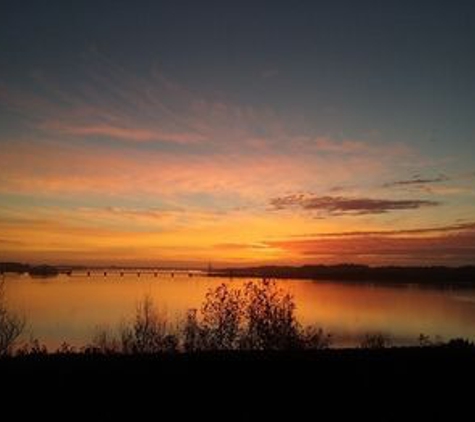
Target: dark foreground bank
<point>381,385</point>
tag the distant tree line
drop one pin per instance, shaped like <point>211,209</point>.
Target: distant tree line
<point>35,270</point>
<point>431,275</point>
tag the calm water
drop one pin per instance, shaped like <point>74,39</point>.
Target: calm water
<point>72,308</point>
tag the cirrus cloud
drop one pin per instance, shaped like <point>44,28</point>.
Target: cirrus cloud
<point>125,133</point>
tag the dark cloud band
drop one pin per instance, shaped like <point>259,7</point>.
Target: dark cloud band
<point>338,205</point>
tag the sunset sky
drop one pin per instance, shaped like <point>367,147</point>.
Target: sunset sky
<point>236,133</point>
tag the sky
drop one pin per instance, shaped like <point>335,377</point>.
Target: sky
<point>237,133</point>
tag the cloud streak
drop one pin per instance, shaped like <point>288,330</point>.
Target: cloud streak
<point>326,144</point>
<point>456,247</point>
<point>452,228</point>
<point>126,133</point>
<point>338,205</point>
<point>418,181</point>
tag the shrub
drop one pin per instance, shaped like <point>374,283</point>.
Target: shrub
<point>104,342</point>
<point>222,314</point>
<point>424,340</point>
<point>32,347</point>
<point>460,343</point>
<point>259,317</point>
<point>11,326</point>
<point>147,332</point>
<point>270,322</point>
<point>376,341</point>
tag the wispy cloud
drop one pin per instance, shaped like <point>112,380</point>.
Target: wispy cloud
<point>54,168</point>
<point>418,181</point>
<point>125,133</point>
<point>326,144</point>
<point>338,205</point>
<point>451,228</point>
<point>9,242</point>
<point>72,168</point>
<point>240,246</point>
<point>112,102</point>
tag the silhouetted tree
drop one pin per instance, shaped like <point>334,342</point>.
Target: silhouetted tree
<point>11,325</point>
<point>149,332</point>
<point>424,340</point>
<point>270,318</point>
<point>461,343</point>
<point>261,316</point>
<point>192,332</point>
<point>222,313</point>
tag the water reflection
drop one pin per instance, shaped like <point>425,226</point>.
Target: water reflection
<point>71,308</point>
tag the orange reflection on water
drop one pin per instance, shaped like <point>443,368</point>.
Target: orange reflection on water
<point>351,310</point>
<point>72,308</point>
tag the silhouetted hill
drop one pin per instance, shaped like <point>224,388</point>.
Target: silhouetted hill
<point>351,272</point>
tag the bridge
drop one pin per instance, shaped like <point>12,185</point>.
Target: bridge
<point>137,272</point>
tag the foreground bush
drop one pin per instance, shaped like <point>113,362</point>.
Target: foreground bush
<point>258,317</point>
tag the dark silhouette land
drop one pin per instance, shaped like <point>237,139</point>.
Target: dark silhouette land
<point>376,385</point>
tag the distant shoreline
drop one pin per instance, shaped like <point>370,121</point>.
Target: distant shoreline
<point>438,276</point>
